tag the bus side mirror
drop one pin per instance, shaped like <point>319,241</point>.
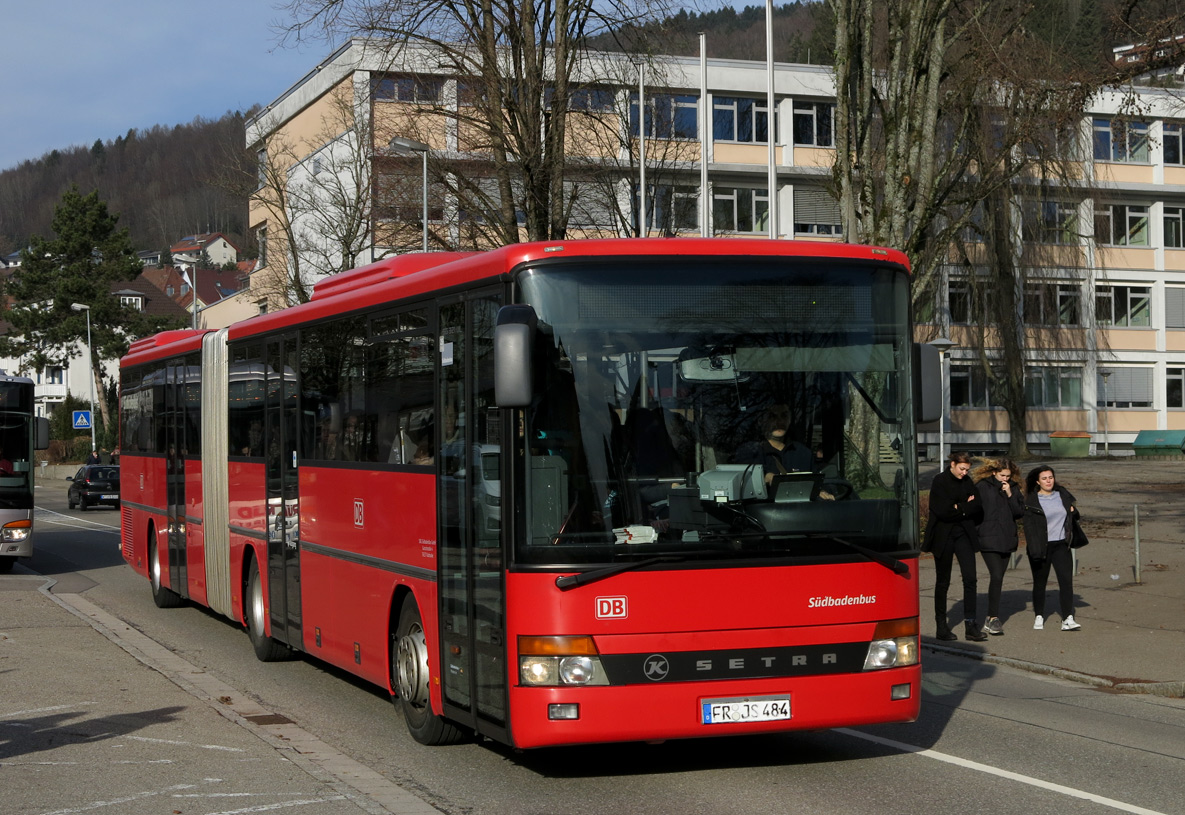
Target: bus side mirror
<point>40,433</point>
<point>927,383</point>
<point>514,336</point>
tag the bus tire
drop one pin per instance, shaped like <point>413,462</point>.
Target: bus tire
<point>6,563</point>
<point>266,648</point>
<point>409,670</point>
<point>163,597</point>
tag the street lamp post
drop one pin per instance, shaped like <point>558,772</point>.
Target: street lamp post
<point>943,345</point>
<point>90,367</point>
<point>399,143</point>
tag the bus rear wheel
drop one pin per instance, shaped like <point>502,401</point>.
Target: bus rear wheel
<point>266,648</point>
<point>163,597</point>
<point>409,669</point>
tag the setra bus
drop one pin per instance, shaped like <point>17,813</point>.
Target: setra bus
<point>525,489</point>
<point>20,434</point>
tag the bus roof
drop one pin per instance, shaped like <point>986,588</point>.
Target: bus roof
<point>421,273</point>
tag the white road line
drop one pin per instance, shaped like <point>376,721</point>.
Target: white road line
<point>72,522</point>
<point>285,805</point>
<point>984,768</point>
<point>139,796</point>
<point>187,744</point>
<point>50,709</point>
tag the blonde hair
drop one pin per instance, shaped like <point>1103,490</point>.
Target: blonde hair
<point>992,466</point>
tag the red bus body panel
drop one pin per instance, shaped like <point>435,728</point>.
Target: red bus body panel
<point>713,610</point>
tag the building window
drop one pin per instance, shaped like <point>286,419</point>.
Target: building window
<point>1050,387</point>
<point>969,387</point>
<point>670,209</point>
<point>422,90</point>
<point>1117,140</point>
<point>815,212</point>
<point>261,168</point>
<point>668,116</point>
<point>54,375</point>
<point>1175,387</point>
<point>1174,234</point>
<point>740,209</point>
<point>1124,387</point>
<point>1121,225</point>
<point>813,124</point>
<point>967,304</point>
<point>1050,222</point>
<point>132,301</point>
<point>1123,306</point>
<point>1174,307</point>
<point>740,120</point>
<point>261,242</point>
<point>1051,304</point>
<point>1171,135</point>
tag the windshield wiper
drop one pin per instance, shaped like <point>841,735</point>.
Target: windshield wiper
<point>593,575</point>
<point>888,561</point>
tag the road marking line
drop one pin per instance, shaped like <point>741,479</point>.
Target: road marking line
<point>74,523</point>
<point>285,805</point>
<point>139,796</point>
<point>187,744</point>
<point>50,709</point>
<point>985,768</point>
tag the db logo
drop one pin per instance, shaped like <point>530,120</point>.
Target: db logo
<point>358,512</point>
<point>611,608</point>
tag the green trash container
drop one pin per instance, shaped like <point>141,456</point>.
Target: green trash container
<point>1159,443</point>
<point>1069,444</point>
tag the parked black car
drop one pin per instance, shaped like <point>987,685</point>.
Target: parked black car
<point>93,485</point>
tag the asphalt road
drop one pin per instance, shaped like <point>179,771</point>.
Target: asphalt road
<point>991,739</point>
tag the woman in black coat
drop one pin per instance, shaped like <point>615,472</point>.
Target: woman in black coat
<point>1049,519</point>
<point>950,533</point>
<point>1002,506</point>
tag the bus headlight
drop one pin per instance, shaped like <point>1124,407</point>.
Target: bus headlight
<point>894,645</point>
<point>17,531</point>
<point>559,662</point>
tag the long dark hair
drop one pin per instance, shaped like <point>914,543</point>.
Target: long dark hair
<point>1034,474</point>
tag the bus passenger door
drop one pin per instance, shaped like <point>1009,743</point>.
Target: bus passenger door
<point>174,449</point>
<point>471,586</point>
<point>283,500</point>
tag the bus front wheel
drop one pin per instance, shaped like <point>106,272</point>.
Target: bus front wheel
<point>409,667</point>
<point>163,597</point>
<point>266,648</point>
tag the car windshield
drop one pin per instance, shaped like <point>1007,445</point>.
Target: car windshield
<point>717,408</point>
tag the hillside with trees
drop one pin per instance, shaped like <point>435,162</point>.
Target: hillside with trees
<point>164,182</point>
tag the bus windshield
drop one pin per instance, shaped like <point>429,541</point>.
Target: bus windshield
<point>717,408</point>
<point>16,468</point>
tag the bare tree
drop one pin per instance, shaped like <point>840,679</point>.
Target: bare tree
<point>517,65</point>
<point>951,114</point>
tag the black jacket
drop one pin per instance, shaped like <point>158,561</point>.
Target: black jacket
<point>951,505</point>
<point>997,530</point>
<point>1037,531</point>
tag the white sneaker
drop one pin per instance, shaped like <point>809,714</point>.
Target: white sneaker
<point>1070,624</point>
<point>1039,623</point>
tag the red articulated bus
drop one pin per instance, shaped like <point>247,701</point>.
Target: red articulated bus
<point>557,493</point>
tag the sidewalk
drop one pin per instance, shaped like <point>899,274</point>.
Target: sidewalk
<point>1133,633</point>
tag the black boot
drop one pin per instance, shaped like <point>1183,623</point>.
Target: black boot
<point>973,632</point>
<point>944,633</point>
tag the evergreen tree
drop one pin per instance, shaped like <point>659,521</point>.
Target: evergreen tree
<point>87,254</point>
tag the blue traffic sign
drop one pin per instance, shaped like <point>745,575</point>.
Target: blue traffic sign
<point>82,420</point>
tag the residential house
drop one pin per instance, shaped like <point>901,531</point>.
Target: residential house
<point>220,251</point>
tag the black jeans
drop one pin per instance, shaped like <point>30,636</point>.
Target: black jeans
<point>1059,556</point>
<point>997,564</point>
<point>958,546</point>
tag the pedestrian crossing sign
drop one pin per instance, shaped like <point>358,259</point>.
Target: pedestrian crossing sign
<point>82,420</point>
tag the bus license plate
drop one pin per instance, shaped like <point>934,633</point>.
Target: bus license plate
<point>752,709</point>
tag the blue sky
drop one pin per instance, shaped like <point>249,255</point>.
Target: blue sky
<point>72,71</point>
